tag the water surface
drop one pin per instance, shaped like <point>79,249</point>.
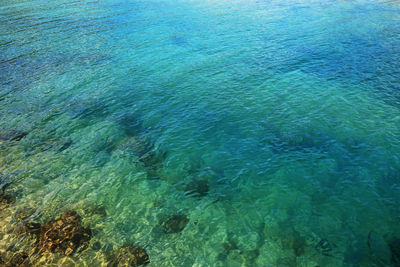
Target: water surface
<point>272,126</point>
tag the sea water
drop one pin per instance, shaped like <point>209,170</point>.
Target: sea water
<point>271,127</point>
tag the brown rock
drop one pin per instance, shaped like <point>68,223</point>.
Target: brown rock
<point>20,260</point>
<point>32,227</point>
<point>65,235</point>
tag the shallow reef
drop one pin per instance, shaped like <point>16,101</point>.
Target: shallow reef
<point>197,188</point>
<point>50,143</point>
<point>395,249</point>
<point>62,238</point>
<point>129,255</point>
<point>6,200</point>
<point>65,235</point>
<point>12,135</point>
<point>20,259</point>
<point>130,123</point>
<point>200,133</point>
<point>144,150</point>
<point>95,210</point>
<point>324,247</point>
<point>174,223</point>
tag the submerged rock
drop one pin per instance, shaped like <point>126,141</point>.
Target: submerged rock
<point>230,245</point>
<point>23,213</point>
<point>153,161</point>
<point>378,247</point>
<point>12,135</point>
<point>249,241</point>
<point>40,144</point>
<point>395,249</point>
<point>129,255</point>
<point>130,123</point>
<point>324,247</point>
<point>197,188</point>
<point>96,210</point>
<point>96,246</point>
<point>6,200</point>
<point>147,153</point>
<point>88,109</point>
<point>65,145</point>
<point>65,235</point>
<point>151,158</point>
<point>286,262</point>
<point>20,260</point>
<point>178,40</point>
<point>32,228</point>
<point>298,246</point>
<point>5,181</point>
<point>174,223</point>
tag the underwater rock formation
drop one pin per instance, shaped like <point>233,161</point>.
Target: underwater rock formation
<point>324,247</point>
<point>135,143</point>
<point>129,255</point>
<point>286,262</point>
<point>12,135</point>
<point>178,40</point>
<point>282,143</point>
<point>174,223</point>
<point>89,110</point>
<point>242,249</point>
<point>298,246</point>
<point>378,248</point>
<point>96,246</point>
<point>6,200</point>
<point>100,210</point>
<point>95,210</point>
<point>4,182</point>
<point>152,159</point>
<point>248,241</point>
<point>197,188</point>
<point>40,144</point>
<point>65,235</point>
<point>394,246</point>
<point>18,260</point>
<point>23,213</point>
<point>66,145</point>
<point>130,123</point>
<point>32,227</point>
<point>228,246</point>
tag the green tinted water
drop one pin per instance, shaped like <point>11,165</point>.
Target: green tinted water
<point>273,127</point>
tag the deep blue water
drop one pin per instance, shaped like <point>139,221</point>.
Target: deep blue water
<point>271,127</point>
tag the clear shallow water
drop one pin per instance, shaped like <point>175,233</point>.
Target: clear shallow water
<point>288,113</point>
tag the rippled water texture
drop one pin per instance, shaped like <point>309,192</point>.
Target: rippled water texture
<point>208,133</point>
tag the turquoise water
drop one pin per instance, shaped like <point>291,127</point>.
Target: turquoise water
<point>273,126</point>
